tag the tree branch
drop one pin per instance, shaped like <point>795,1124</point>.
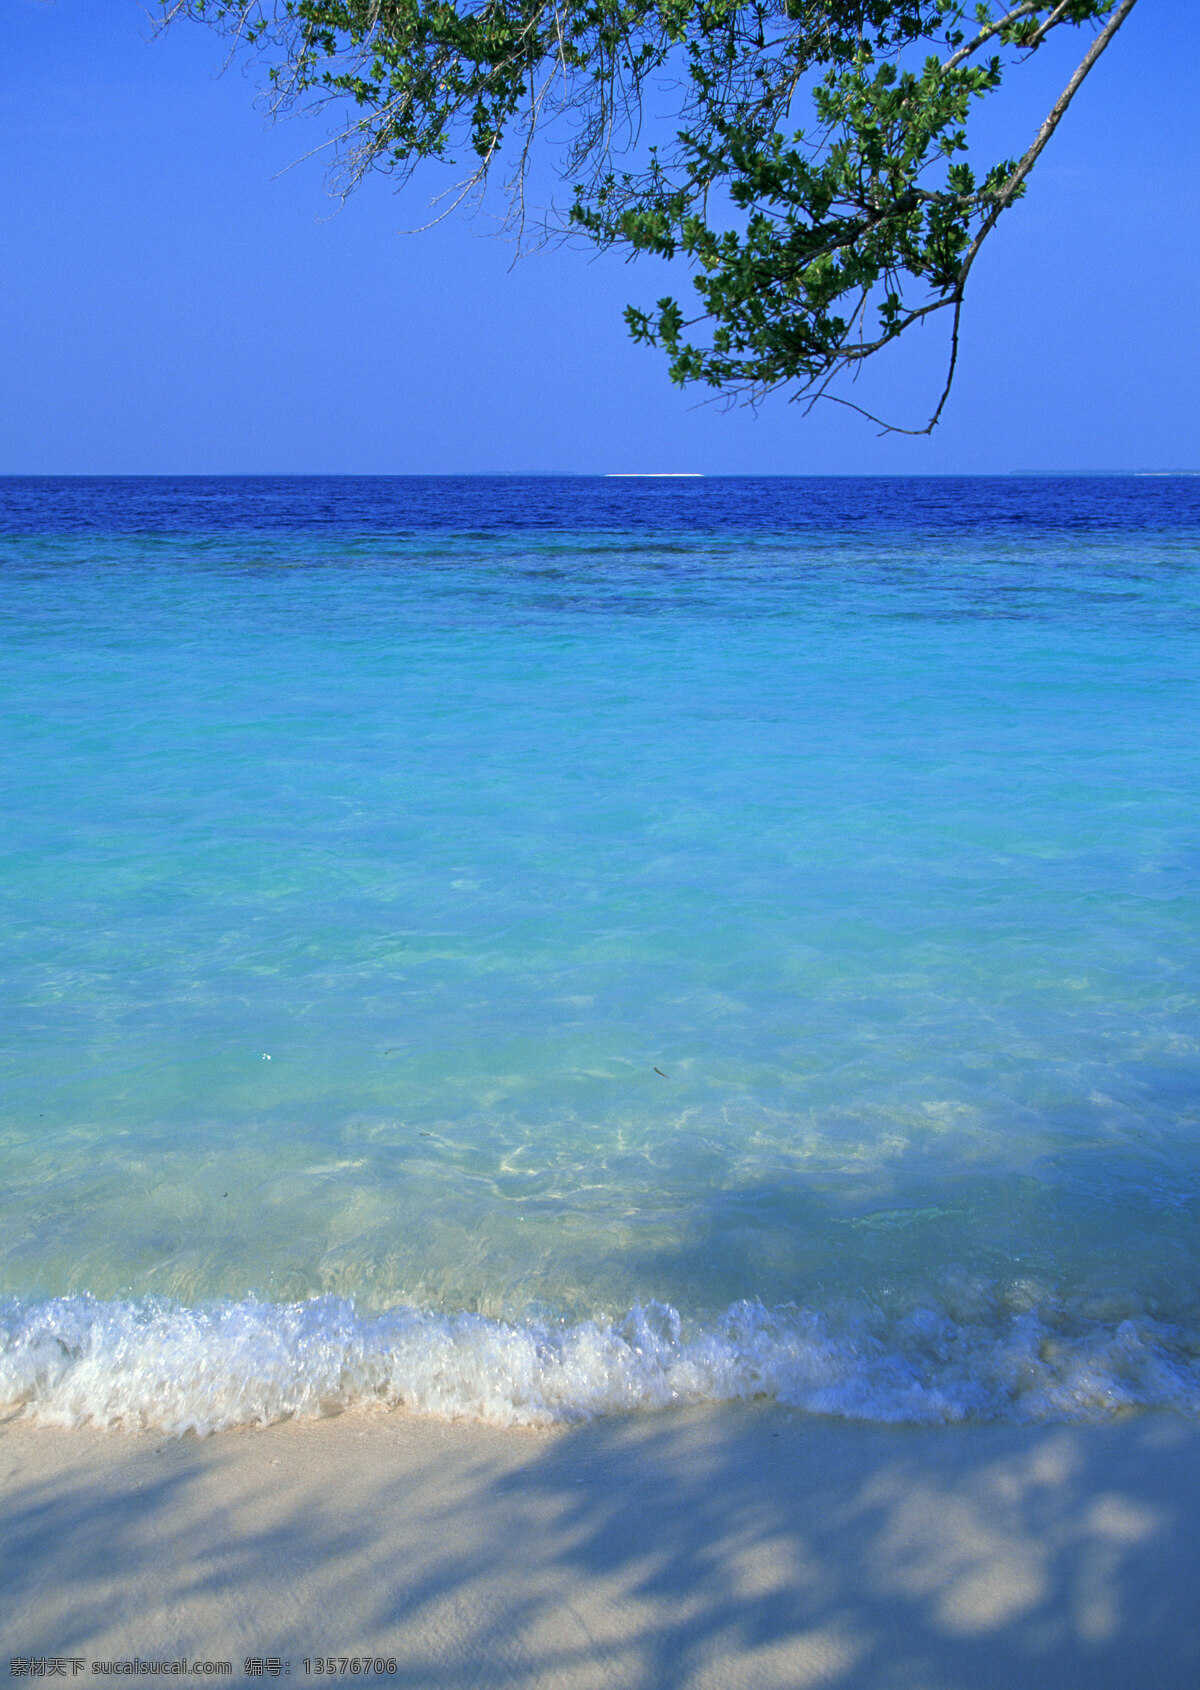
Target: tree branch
<point>1005,195</point>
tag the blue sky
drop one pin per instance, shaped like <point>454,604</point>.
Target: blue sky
<point>172,304</point>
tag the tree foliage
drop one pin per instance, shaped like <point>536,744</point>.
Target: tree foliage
<point>816,178</point>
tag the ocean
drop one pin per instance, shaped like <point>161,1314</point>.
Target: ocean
<point>530,948</point>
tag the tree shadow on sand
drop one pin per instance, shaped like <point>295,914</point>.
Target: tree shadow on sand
<point>716,1548</point>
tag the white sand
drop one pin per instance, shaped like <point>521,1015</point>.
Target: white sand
<point>722,1548</point>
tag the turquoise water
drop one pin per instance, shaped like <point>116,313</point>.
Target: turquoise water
<point>528,949</point>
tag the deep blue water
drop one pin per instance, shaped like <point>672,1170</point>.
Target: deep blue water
<point>398,505</point>
<point>537,946</point>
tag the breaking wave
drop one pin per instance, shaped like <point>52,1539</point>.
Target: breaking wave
<point>78,1360</point>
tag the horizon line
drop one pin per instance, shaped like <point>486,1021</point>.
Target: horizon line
<point>596,475</point>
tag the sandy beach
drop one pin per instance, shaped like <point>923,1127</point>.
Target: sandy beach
<point>716,1548</point>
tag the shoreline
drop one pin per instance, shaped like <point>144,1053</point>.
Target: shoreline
<point>79,1360</point>
<point>712,1547</point>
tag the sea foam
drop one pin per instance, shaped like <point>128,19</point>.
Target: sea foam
<point>78,1360</point>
